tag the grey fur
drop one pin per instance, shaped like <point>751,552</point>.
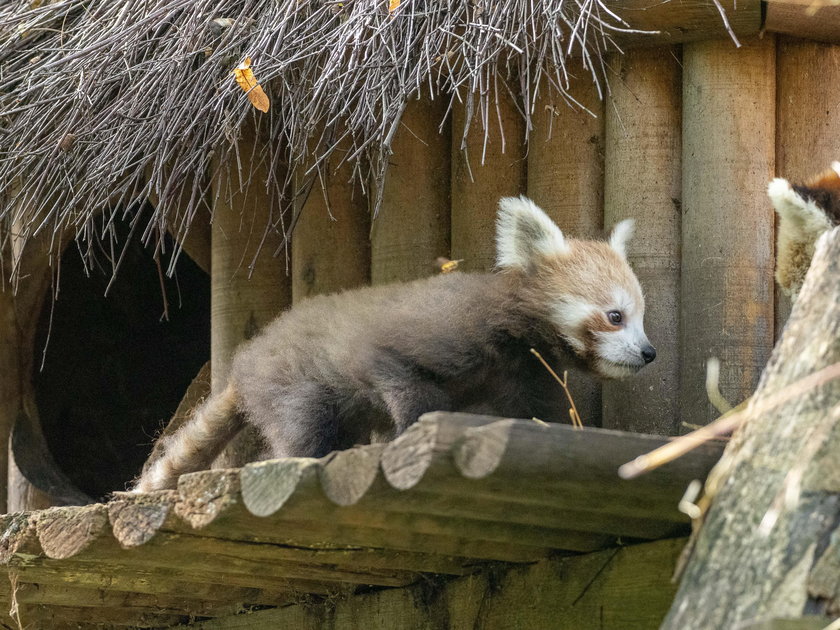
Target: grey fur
<point>363,365</point>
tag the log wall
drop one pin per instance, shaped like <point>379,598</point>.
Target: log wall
<point>685,142</point>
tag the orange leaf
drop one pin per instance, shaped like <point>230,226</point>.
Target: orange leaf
<point>393,5</point>
<point>248,82</point>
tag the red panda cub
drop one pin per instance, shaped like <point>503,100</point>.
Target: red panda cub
<point>341,369</point>
<point>805,212</point>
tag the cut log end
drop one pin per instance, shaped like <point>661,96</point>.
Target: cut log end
<point>266,486</point>
<point>482,448</point>
<point>348,475</point>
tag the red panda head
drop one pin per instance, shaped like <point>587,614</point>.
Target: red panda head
<point>585,289</point>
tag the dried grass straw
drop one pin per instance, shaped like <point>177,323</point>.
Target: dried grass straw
<point>106,104</point>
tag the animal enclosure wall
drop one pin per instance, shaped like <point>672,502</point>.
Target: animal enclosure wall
<point>685,142</point>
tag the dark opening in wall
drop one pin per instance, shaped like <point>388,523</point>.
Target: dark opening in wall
<point>115,370</point>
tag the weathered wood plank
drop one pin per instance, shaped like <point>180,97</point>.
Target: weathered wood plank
<point>484,169</point>
<point>618,589</point>
<point>804,18</point>
<point>331,241</point>
<point>412,228</point>
<point>42,616</point>
<point>727,225</point>
<point>642,181</point>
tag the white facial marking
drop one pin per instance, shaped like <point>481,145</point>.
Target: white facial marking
<point>568,315</point>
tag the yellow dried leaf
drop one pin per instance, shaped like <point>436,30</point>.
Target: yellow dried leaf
<point>248,82</point>
<point>393,5</point>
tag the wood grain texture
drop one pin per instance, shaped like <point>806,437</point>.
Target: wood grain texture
<point>763,548</point>
<point>331,241</point>
<point>617,589</point>
<point>412,228</point>
<point>566,179</point>
<point>484,169</point>
<point>805,19</point>
<point>643,181</point>
<point>727,225</point>
<point>807,120</point>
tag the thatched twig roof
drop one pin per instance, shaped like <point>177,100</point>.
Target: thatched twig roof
<point>106,104</point>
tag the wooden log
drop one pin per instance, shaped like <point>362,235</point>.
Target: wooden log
<point>566,179</point>
<point>643,118</point>
<point>727,228</point>
<point>331,241</point>
<point>484,169</point>
<point>412,228</point>
<point>249,286</point>
<point>773,521</point>
<point>565,462</point>
<point>805,128</point>
<point>674,23</point>
<point>183,603</point>
<point>617,589</point>
<point>40,616</point>
<point>805,19</point>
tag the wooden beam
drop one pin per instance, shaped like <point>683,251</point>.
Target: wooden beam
<point>618,589</point>
<point>726,298</point>
<point>678,22</point>
<point>804,18</point>
<point>642,181</point>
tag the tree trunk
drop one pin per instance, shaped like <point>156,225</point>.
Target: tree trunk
<point>770,545</point>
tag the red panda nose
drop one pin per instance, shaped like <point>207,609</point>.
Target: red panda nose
<point>648,353</point>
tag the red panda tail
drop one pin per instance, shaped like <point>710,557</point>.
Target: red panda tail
<point>196,444</point>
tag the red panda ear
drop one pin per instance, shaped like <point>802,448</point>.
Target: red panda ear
<point>525,234</point>
<point>621,233</point>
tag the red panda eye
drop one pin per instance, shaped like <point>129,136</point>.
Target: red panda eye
<point>614,317</point>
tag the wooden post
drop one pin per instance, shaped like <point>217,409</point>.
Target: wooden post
<point>727,228</point>
<point>412,228</point>
<point>807,122</point>
<point>241,305</point>
<point>770,543</point>
<point>331,241</point>
<point>642,180</point>
<point>566,179</point>
<point>482,173</point>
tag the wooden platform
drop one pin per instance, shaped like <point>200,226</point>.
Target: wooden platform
<point>452,496</point>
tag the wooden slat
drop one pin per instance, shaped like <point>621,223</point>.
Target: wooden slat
<point>412,228</point>
<point>483,171</point>
<point>727,229</point>
<point>330,244</point>
<point>616,589</point>
<point>804,18</point>
<point>642,181</point>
